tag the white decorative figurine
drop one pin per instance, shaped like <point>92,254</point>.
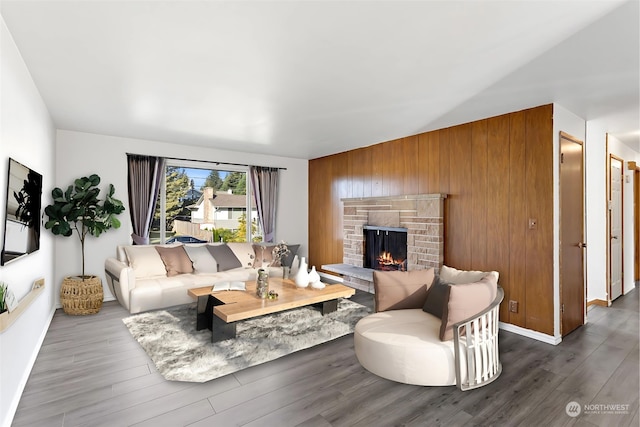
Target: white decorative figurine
<point>314,279</point>
<point>302,276</point>
<point>294,267</point>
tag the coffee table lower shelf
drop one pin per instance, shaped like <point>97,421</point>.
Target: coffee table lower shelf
<point>221,311</point>
<point>221,330</point>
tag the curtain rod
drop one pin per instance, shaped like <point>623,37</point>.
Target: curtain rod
<point>207,161</point>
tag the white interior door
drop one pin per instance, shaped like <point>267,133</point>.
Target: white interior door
<point>615,228</point>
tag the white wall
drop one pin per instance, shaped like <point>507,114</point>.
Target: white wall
<point>627,154</point>
<point>597,197</point>
<point>27,135</point>
<point>596,203</point>
<point>81,154</point>
<point>567,122</point>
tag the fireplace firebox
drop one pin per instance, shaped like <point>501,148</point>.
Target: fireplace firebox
<point>385,248</point>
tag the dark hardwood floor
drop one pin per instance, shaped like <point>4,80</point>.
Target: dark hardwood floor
<point>91,372</point>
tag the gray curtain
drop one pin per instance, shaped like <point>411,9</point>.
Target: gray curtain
<point>145,175</point>
<point>265,191</point>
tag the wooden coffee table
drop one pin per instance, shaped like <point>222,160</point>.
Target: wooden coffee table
<point>219,311</point>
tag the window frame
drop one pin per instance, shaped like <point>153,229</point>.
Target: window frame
<point>206,165</point>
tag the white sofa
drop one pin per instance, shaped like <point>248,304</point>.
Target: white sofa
<point>142,279</point>
<point>433,330</point>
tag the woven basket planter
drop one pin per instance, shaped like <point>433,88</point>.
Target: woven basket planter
<point>79,297</point>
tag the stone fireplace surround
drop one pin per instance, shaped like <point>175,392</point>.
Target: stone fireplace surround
<point>421,214</point>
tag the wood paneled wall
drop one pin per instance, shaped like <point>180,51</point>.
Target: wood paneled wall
<point>497,173</point>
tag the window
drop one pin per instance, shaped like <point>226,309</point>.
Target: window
<point>203,202</point>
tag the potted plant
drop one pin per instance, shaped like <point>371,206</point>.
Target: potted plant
<point>3,292</point>
<point>79,209</point>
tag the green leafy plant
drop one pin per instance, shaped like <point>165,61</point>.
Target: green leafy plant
<point>79,208</point>
<point>3,295</point>
<point>3,292</point>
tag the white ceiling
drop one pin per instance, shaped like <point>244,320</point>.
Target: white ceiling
<point>310,78</point>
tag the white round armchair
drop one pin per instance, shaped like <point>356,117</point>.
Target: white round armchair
<point>456,345</point>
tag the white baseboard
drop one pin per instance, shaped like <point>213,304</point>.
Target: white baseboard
<point>549,339</point>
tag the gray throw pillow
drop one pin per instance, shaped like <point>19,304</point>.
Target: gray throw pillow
<point>437,297</point>
<point>287,260</point>
<point>225,257</point>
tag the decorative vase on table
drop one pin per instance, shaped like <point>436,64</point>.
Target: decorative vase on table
<point>302,276</point>
<point>262,284</point>
<point>294,267</point>
<point>314,277</point>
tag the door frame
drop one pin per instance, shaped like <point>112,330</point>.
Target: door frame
<point>633,166</point>
<point>564,135</point>
<point>611,156</point>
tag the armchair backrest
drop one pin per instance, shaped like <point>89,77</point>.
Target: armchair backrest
<point>478,338</point>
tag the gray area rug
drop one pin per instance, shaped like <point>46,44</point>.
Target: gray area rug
<point>181,353</point>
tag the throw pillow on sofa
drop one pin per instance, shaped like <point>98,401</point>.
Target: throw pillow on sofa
<point>225,257</point>
<point>145,261</point>
<point>288,259</point>
<point>397,290</point>
<point>243,251</point>
<point>175,259</point>
<point>264,256</point>
<point>202,260</point>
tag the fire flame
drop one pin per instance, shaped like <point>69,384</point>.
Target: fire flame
<point>386,261</point>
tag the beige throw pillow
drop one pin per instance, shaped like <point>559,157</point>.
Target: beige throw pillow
<point>244,253</point>
<point>466,300</point>
<point>145,261</point>
<point>264,255</point>
<point>176,260</point>
<point>396,290</point>
<point>453,275</point>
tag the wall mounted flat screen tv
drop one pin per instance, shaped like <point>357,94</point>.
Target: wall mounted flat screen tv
<point>22,219</point>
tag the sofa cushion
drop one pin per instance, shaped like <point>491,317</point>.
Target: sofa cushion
<point>203,261</point>
<point>437,297</point>
<point>224,256</point>
<point>145,261</point>
<point>175,259</point>
<point>466,300</point>
<point>396,290</point>
<point>403,346</point>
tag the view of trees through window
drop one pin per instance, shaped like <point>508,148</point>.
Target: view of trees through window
<point>203,205</point>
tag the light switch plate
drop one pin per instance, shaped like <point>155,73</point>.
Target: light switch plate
<point>513,306</point>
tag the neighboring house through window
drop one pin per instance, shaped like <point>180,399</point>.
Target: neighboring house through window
<point>221,209</point>
<point>200,200</point>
